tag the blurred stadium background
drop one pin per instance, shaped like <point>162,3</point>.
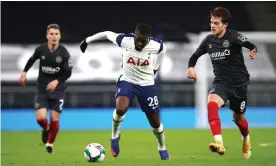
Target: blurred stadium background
<point>89,98</point>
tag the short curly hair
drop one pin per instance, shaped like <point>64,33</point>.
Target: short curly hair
<point>221,12</point>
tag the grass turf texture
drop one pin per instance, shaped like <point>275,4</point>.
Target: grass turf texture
<point>138,148</point>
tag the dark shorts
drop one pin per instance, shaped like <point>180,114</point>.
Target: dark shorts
<point>49,100</point>
<point>237,96</point>
<point>146,95</point>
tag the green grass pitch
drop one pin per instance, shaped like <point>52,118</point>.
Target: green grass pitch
<point>138,148</point>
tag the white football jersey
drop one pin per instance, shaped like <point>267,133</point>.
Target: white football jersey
<point>137,66</point>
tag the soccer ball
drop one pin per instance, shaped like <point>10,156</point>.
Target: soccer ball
<point>94,152</point>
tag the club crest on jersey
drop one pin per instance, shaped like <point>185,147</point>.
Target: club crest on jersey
<point>226,43</point>
<point>242,38</point>
<point>58,59</point>
<point>36,105</point>
<point>138,62</point>
<point>43,57</point>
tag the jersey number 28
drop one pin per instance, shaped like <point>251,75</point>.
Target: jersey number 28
<point>153,101</point>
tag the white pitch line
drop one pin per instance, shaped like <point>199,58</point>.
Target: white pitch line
<point>266,144</point>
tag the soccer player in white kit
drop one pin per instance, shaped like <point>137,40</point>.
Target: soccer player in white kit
<point>142,56</point>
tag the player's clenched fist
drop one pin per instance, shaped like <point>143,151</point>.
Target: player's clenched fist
<point>22,79</point>
<point>83,45</point>
<point>191,73</point>
<point>253,53</point>
<point>52,85</point>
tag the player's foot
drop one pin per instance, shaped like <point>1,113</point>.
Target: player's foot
<point>164,155</point>
<point>115,150</point>
<point>246,149</point>
<point>44,136</point>
<point>49,148</point>
<point>217,147</point>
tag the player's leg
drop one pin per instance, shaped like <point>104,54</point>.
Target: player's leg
<point>238,106</point>
<point>122,103</point>
<point>41,105</point>
<point>56,106</point>
<point>53,131</point>
<point>216,99</point>
<point>158,131</point>
<point>149,103</point>
<point>242,123</point>
<point>124,95</point>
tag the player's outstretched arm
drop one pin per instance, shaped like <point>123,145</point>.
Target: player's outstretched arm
<point>98,36</point>
<point>251,47</point>
<point>159,59</point>
<point>244,42</point>
<point>191,74</point>
<point>29,64</point>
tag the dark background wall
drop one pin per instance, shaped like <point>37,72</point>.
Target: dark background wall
<point>25,22</point>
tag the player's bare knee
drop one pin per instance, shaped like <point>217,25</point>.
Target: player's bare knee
<point>55,115</point>
<point>155,124</point>
<point>215,98</point>
<point>154,120</point>
<point>122,104</point>
<point>121,110</point>
<point>41,114</point>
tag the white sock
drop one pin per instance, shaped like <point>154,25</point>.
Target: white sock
<point>116,124</point>
<point>245,138</point>
<point>48,144</point>
<point>218,139</point>
<point>160,136</point>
